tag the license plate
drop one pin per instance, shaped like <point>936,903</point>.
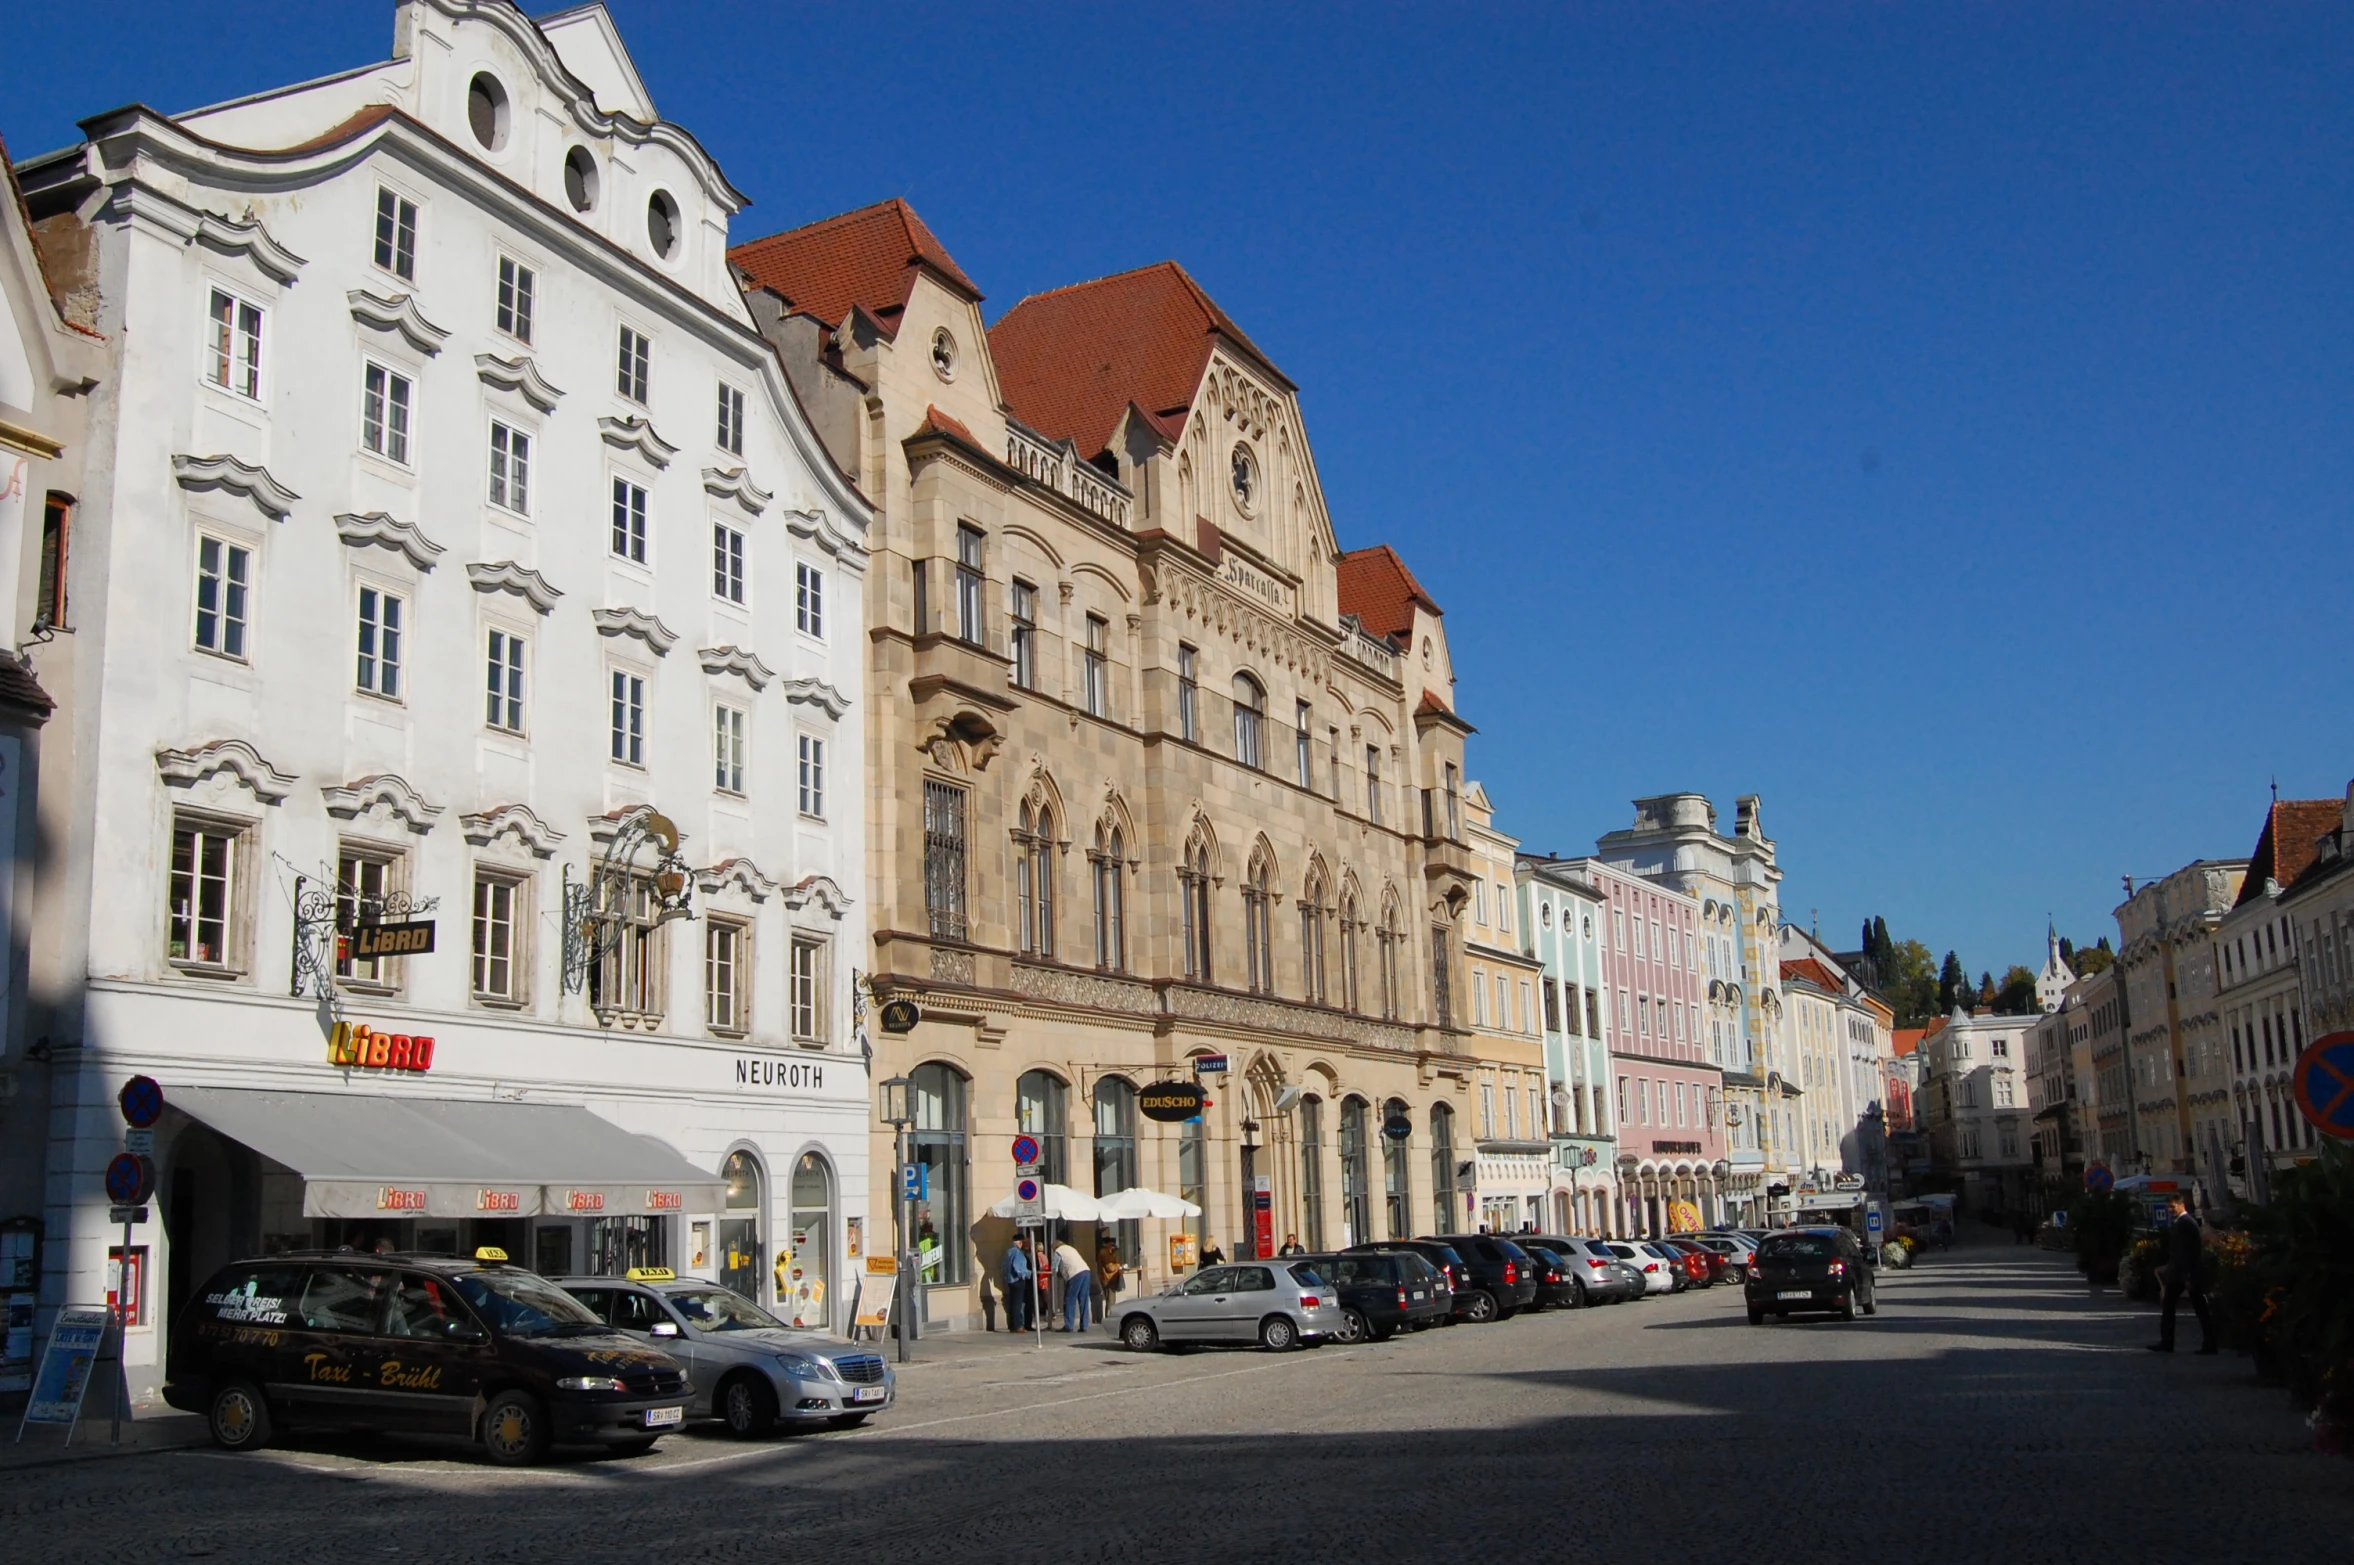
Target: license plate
<point>658,1417</point>
<point>870,1393</point>
<point>1795,1293</point>
<point>1420,1295</point>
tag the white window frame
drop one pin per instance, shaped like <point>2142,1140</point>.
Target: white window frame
<point>405,402</point>
<point>809,599</point>
<point>246,357</point>
<point>729,433</point>
<point>737,1020</point>
<point>376,974</point>
<point>228,544</point>
<point>633,364</point>
<point>506,683</point>
<point>807,989</point>
<point>388,253</point>
<point>380,661</point>
<point>809,774</point>
<point>507,473</point>
<point>625,492</point>
<point>235,936</point>
<point>625,685</point>
<point>731,552</point>
<point>731,743</point>
<point>515,298</point>
<point>518,886</point>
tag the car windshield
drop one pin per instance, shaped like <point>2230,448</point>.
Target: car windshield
<point>519,1304</point>
<point>1808,1246</point>
<point>1307,1277</point>
<point>716,1309</point>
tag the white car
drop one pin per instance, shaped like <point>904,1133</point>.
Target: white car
<point>1735,1248</point>
<point>1658,1271</point>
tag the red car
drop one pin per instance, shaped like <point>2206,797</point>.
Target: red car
<point>1702,1266</point>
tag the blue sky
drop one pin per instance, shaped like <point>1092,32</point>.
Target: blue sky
<point>1921,415</point>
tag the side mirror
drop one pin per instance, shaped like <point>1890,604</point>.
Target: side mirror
<point>463,1331</point>
<point>664,1328</point>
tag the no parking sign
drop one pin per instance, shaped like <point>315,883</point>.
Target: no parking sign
<point>2324,1084</point>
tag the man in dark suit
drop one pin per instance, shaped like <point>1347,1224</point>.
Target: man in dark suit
<point>2185,1272</point>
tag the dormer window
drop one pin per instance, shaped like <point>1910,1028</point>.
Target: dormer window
<point>486,111</point>
<point>1245,477</point>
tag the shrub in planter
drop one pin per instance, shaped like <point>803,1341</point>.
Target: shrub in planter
<point>2306,1240</point>
<point>2102,1223</point>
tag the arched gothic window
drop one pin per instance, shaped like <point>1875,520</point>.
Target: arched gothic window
<point>1313,914</point>
<point>1258,928</point>
<point>1193,906</point>
<point>1389,937</point>
<point>1250,721</point>
<point>1350,923</point>
<point>1034,880</point>
<point>1111,931</point>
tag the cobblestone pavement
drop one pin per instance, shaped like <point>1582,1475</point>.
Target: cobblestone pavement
<point>1992,1411</point>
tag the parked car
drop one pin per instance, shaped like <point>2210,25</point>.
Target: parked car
<point>1608,1278</point>
<point>1441,1254</point>
<point>1659,1274</point>
<point>429,1344</point>
<point>1383,1292</point>
<point>749,1369</point>
<point>1559,1285</point>
<point>1576,1267</point>
<point>1702,1266</point>
<point>1801,1269</point>
<point>1502,1281</point>
<point>1278,1304</point>
<point>1735,1250</point>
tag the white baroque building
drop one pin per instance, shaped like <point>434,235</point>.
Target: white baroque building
<point>445,515</point>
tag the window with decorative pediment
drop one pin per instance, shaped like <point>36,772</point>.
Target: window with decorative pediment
<point>1193,904</point>
<point>1034,880</point>
<point>1313,915</point>
<point>1391,936</point>
<point>1258,932</point>
<point>1107,861</point>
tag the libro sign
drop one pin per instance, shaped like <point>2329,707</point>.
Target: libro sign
<point>368,941</point>
<point>357,1045</point>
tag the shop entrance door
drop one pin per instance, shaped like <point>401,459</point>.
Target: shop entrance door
<point>805,1291</point>
<point>739,1228</point>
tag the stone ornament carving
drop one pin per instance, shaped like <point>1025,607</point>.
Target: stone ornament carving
<point>736,874</point>
<point>376,529</point>
<point>636,622</point>
<point>397,313</point>
<point>187,768</point>
<point>734,483</point>
<point>952,967</point>
<point>388,791</point>
<point>816,692</point>
<point>507,576</point>
<point>1061,986</point>
<point>516,821</point>
<point>520,375</point>
<point>222,235</point>
<point>822,892</point>
<point>200,474</point>
<point>965,742</point>
<point>1240,1010</point>
<point>745,665</point>
<point>637,434</point>
<point>820,528</point>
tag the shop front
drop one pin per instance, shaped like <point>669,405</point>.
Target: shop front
<point>574,1152</point>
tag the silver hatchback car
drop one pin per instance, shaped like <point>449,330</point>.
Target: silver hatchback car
<point>1277,1304</point>
<point>749,1369</point>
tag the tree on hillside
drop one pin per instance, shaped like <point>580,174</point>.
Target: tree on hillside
<point>1953,985</point>
<point>2089,960</point>
<point>2017,995</point>
<point>1986,991</point>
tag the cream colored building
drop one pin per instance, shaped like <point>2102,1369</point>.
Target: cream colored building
<point>1510,1119</point>
<point>2178,1051</point>
<point>1155,771</point>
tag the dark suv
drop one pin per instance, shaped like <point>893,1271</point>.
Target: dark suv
<point>1453,1270</point>
<point>1799,1269</point>
<point>1384,1291</point>
<point>1503,1279</point>
<point>476,1349</point>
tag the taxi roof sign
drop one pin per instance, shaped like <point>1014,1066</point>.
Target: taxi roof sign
<point>650,1274</point>
<point>489,1252</point>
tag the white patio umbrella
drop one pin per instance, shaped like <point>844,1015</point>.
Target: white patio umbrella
<point>1128,1205</point>
<point>1061,1202</point>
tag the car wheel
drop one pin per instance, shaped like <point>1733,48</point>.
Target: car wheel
<point>1353,1328</point>
<point>1847,1305</point>
<point>1481,1306</point>
<point>239,1418</point>
<point>1279,1334</point>
<point>847,1420</point>
<point>1577,1295</point>
<point>1757,1317</point>
<point>514,1429</point>
<point>1141,1335</point>
<point>1872,1302</point>
<point>748,1404</point>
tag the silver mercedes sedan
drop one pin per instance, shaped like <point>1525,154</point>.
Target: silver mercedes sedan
<point>1278,1304</point>
<point>749,1369</point>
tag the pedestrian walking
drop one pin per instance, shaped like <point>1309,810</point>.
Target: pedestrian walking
<point>1211,1254</point>
<point>1292,1246</point>
<point>1110,1273</point>
<point>2185,1272</point>
<point>1078,1285</point>
<point>1014,1272</point>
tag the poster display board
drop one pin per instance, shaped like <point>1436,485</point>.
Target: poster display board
<point>64,1376</point>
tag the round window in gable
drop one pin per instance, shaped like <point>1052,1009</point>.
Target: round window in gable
<point>486,110</point>
<point>1244,475</point>
<point>662,223</point>
<point>580,179</point>
<point>943,354</point>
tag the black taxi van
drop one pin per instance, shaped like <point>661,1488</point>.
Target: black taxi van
<point>426,1344</point>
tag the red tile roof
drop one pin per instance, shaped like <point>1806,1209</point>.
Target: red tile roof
<point>868,258</point>
<point>1814,972</point>
<point>1072,361</point>
<point>1910,1038</point>
<point>937,422</point>
<point>2285,848</point>
<point>1376,587</point>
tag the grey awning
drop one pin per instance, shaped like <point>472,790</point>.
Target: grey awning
<point>369,1155</point>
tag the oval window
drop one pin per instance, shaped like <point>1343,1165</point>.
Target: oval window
<point>486,110</point>
<point>580,179</point>
<point>662,223</point>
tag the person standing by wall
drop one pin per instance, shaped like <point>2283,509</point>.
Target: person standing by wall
<point>1078,1285</point>
<point>1015,1273</point>
<point>2186,1272</point>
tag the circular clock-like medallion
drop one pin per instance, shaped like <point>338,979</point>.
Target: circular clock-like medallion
<point>1245,477</point>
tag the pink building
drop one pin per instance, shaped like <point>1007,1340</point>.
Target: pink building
<point>1671,1136</point>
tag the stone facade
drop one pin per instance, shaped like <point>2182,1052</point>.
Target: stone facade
<point>1974,1106</point>
<point>1155,771</point>
<point>2259,970</point>
<point>2177,1051</point>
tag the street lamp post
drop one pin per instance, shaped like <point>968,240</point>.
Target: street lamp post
<point>894,1106</point>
